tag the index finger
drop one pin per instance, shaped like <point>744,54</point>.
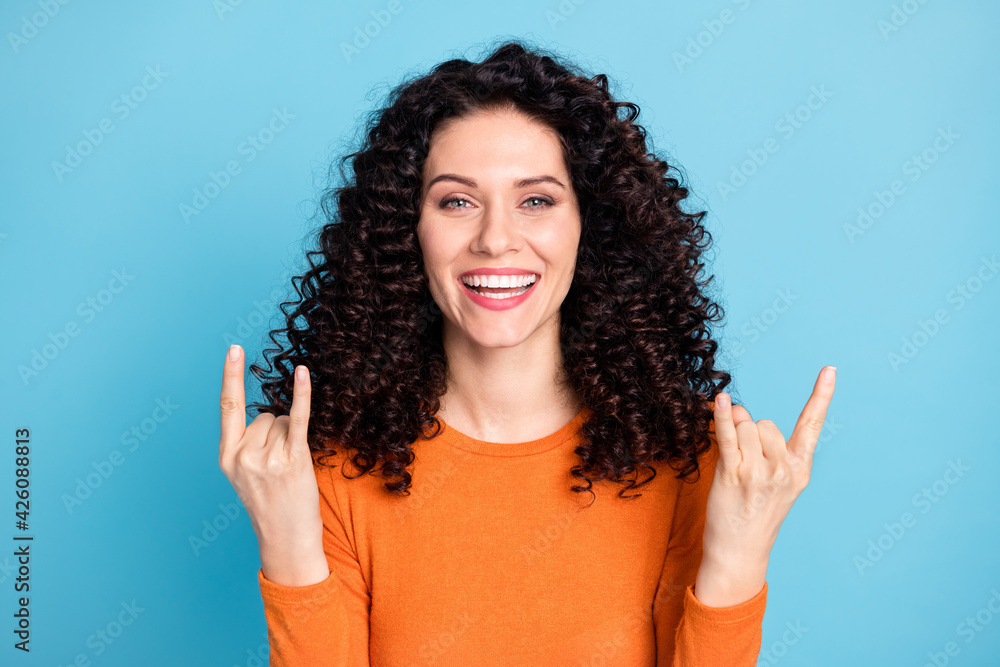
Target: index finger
<point>232,403</point>
<point>806,434</point>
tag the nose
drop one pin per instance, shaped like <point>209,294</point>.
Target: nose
<point>498,231</point>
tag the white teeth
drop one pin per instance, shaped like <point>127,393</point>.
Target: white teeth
<point>499,281</point>
<point>522,281</point>
<point>508,295</point>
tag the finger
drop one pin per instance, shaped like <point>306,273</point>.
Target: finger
<point>725,434</point>
<point>748,438</point>
<point>772,441</point>
<point>750,447</point>
<point>258,430</point>
<point>810,423</point>
<point>740,414</point>
<point>232,403</point>
<point>298,424</point>
<point>275,440</point>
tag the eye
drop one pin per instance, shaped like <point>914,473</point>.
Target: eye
<point>544,200</point>
<point>444,203</point>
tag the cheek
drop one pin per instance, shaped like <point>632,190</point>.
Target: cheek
<point>437,261</point>
<point>559,243</point>
<point>425,241</point>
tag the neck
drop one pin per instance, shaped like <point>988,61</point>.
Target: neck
<point>507,394</point>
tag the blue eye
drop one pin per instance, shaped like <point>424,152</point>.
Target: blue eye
<point>445,203</point>
<point>545,200</point>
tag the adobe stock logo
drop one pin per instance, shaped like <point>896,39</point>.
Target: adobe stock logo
<point>759,324</point>
<point>899,17</point>
<point>787,125</point>
<point>106,467</point>
<point>102,639</point>
<point>259,316</point>
<point>959,295</point>
<point>223,7</point>
<point>924,500</point>
<point>381,18</point>
<point>60,340</point>
<point>29,28</point>
<point>772,654</point>
<point>122,107</point>
<point>566,9</point>
<point>249,148</point>
<point>210,532</point>
<point>914,167</point>
<point>714,27</point>
<point>968,629</point>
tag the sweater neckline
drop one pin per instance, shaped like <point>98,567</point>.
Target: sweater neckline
<point>541,445</point>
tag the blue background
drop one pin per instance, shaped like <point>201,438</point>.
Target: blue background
<point>801,286</point>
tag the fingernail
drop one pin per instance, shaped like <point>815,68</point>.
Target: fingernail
<point>234,352</point>
<point>300,373</point>
<point>723,401</point>
<point>830,374</point>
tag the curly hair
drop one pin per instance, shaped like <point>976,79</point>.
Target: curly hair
<point>634,324</point>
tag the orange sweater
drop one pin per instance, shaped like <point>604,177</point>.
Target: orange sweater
<point>492,560</point>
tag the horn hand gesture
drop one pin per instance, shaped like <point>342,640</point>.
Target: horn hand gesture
<point>758,477</point>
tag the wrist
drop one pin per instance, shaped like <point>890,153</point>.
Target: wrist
<point>291,562</point>
<point>300,569</point>
<point>724,585</point>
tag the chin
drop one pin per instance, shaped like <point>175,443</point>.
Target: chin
<point>497,339</point>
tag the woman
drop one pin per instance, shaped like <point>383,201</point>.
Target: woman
<point>448,485</point>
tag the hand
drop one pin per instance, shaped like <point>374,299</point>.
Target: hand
<point>270,466</point>
<point>757,479</point>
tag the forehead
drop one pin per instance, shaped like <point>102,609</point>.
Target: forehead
<point>502,144</point>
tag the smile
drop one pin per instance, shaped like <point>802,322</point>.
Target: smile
<point>502,294</point>
<point>499,292</point>
<point>499,286</point>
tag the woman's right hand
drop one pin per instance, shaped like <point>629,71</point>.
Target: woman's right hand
<point>270,466</point>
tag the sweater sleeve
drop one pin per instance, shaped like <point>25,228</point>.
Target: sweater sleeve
<point>326,623</point>
<point>689,633</point>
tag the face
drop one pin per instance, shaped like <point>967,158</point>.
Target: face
<point>497,200</point>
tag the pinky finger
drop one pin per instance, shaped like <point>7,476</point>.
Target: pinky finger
<point>725,433</point>
<point>298,424</point>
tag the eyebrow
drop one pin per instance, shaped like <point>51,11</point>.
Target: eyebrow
<point>523,183</point>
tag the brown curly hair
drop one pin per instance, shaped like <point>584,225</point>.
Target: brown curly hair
<point>634,324</point>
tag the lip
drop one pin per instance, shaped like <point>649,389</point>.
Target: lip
<point>499,304</point>
<point>501,271</point>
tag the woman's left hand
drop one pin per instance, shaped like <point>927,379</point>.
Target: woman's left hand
<point>757,479</point>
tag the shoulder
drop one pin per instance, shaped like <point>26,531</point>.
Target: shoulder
<point>330,468</point>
